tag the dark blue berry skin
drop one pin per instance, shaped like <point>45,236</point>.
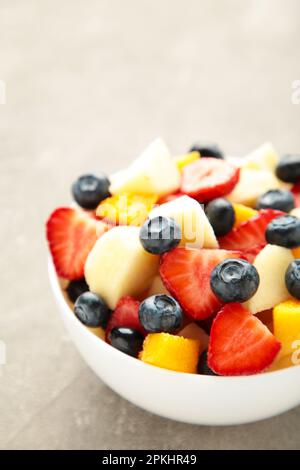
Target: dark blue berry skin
<point>221,216</point>
<point>91,310</point>
<point>234,280</point>
<point>284,231</point>
<point>207,149</point>
<point>160,313</point>
<point>288,169</point>
<point>292,278</point>
<point>89,190</point>
<point>203,367</point>
<point>280,199</point>
<point>76,288</point>
<point>127,340</point>
<point>159,235</point>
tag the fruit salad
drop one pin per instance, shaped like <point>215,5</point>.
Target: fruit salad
<point>189,263</point>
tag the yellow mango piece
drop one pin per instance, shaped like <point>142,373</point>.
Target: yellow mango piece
<point>99,332</point>
<point>296,252</point>
<point>184,160</point>
<point>126,209</point>
<point>243,213</point>
<point>171,352</point>
<point>281,363</point>
<point>286,318</point>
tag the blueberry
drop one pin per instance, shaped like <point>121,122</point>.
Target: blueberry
<point>234,280</point>
<point>284,231</point>
<point>292,278</point>
<point>76,288</point>
<point>89,190</point>
<point>159,235</point>
<point>91,310</point>
<point>288,169</point>
<point>160,313</point>
<point>127,340</point>
<point>280,199</point>
<point>220,213</point>
<point>203,367</point>
<point>207,149</point>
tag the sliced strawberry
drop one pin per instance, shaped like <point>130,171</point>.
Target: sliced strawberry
<point>169,197</point>
<point>249,237</point>
<point>71,235</point>
<point>240,344</point>
<point>126,314</point>
<point>208,178</point>
<point>186,275</point>
<point>296,192</point>
<point>251,253</point>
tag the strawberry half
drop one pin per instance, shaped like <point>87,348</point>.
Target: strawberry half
<point>169,197</point>
<point>126,314</point>
<point>186,275</point>
<point>249,237</point>
<point>240,344</point>
<point>71,235</point>
<point>296,193</point>
<point>208,178</point>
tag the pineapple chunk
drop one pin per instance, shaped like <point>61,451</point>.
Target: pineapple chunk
<point>188,213</point>
<point>271,264</point>
<point>264,157</point>
<point>118,265</point>
<point>184,160</point>
<point>252,184</point>
<point>296,212</point>
<point>153,172</point>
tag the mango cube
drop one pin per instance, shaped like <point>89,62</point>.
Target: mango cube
<point>184,160</point>
<point>126,209</point>
<point>171,352</point>
<point>286,317</point>
<point>281,363</point>
<point>296,252</point>
<point>243,213</point>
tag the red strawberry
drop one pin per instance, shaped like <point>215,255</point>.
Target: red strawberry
<point>125,314</point>
<point>240,344</point>
<point>71,235</point>
<point>249,237</point>
<point>251,253</point>
<point>208,178</point>
<point>296,192</point>
<point>186,275</point>
<point>169,197</point>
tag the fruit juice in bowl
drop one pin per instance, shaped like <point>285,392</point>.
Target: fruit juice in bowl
<point>182,279</point>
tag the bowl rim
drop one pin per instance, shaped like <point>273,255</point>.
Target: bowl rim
<point>108,349</point>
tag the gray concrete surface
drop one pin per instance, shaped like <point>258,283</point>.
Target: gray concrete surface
<point>89,84</point>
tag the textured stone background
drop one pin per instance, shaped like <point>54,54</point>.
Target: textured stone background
<point>89,84</point>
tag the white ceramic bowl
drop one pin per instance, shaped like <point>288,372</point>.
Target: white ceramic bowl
<point>190,398</point>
